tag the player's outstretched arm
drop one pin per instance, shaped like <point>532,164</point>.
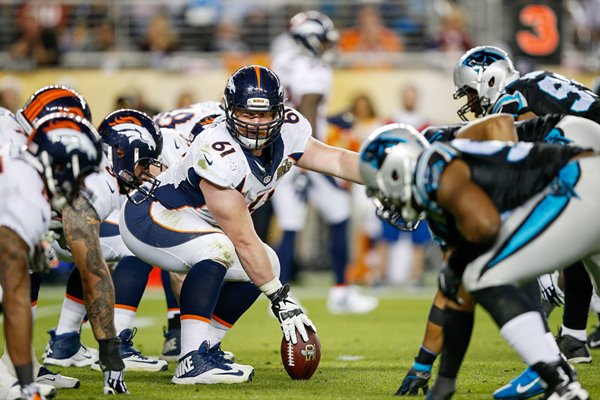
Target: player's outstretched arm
<point>330,160</point>
<point>82,231</point>
<point>493,127</point>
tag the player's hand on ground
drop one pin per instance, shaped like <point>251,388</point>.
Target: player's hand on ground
<point>449,284</point>
<point>550,290</point>
<point>290,315</point>
<point>413,381</point>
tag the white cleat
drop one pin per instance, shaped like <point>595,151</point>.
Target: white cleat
<point>59,381</point>
<point>203,367</point>
<point>348,300</point>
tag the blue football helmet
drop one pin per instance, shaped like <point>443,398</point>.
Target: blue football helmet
<point>51,99</point>
<point>387,161</point>
<point>482,74</point>
<point>67,148</point>
<point>314,31</point>
<point>132,143</point>
<point>254,88</point>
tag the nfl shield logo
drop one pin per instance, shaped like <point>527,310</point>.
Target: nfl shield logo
<point>267,179</point>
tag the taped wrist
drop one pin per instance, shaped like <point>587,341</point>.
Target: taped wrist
<point>279,294</point>
<point>109,354</point>
<point>271,287</point>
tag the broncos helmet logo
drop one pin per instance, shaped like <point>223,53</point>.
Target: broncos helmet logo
<point>134,132</point>
<point>73,140</point>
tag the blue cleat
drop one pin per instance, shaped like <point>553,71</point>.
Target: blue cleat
<point>172,346</point>
<point>66,350</point>
<point>204,366</point>
<point>524,386</point>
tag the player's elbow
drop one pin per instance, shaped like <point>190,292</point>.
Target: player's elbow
<point>501,127</point>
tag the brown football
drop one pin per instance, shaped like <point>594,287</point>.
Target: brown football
<point>301,360</point>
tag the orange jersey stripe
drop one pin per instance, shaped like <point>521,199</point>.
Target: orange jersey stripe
<point>75,299</point>
<point>196,317</point>
<point>126,307</point>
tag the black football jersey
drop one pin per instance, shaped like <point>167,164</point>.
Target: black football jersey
<point>510,174</point>
<point>543,92</point>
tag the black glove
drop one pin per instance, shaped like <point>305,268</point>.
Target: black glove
<point>449,284</point>
<point>413,381</point>
<point>290,315</point>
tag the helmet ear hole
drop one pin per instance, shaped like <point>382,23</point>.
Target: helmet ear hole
<point>492,81</point>
<point>395,175</point>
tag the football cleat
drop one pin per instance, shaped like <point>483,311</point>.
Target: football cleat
<point>59,381</point>
<point>348,300</point>
<point>227,358</point>
<point>134,360</point>
<point>201,366</point>
<point>66,350</point>
<point>524,386</point>
<point>576,351</point>
<point>593,339</point>
<point>172,346</point>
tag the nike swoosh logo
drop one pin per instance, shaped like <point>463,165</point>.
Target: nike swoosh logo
<point>207,160</point>
<point>144,361</point>
<point>176,146</point>
<point>48,379</point>
<point>238,373</point>
<point>110,187</point>
<point>594,343</point>
<point>523,389</point>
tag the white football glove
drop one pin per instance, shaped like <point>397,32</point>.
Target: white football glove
<point>550,290</point>
<point>290,315</point>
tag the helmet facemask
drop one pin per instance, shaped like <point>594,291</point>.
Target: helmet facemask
<point>254,136</point>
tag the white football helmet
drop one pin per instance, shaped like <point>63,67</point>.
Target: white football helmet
<point>387,161</point>
<point>482,74</point>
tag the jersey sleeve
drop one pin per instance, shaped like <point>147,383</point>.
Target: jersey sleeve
<point>296,132</point>
<point>441,133</point>
<point>539,129</point>
<point>511,103</point>
<point>218,161</point>
<point>174,147</point>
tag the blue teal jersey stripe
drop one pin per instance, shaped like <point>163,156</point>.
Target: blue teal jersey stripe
<point>542,216</point>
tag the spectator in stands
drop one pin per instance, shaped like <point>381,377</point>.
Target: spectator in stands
<point>453,35</point>
<point>159,37</point>
<point>409,114</point>
<point>104,36</point>
<point>370,34</point>
<point>10,93</point>
<point>227,39</point>
<point>78,38</point>
<point>133,98</point>
<point>35,43</point>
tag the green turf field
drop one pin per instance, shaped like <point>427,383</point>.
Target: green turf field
<point>382,345</point>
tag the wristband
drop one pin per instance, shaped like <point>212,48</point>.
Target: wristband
<point>270,287</point>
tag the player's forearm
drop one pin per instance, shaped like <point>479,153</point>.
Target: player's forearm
<point>82,230</point>
<point>255,261</point>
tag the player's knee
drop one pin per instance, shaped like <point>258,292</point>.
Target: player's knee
<point>223,250</point>
<point>502,302</point>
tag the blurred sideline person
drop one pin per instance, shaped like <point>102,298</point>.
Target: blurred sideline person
<point>81,221</point>
<point>132,144</point>
<point>62,149</point>
<point>306,74</point>
<point>198,221</point>
<point>491,255</point>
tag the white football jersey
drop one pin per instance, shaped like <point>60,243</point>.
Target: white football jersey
<point>10,130</point>
<point>25,207</point>
<point>218,157</point>
<point>184,119</point>
<point>302,74</point>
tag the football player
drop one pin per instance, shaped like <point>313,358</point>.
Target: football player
<point>132,144</point>
<point>305,72</point>
<point>494,254</point>
<point>198,221</point>
<point>62,149</point>
<point>81,231</point>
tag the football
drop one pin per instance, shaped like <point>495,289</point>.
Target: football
<point>301,360</point>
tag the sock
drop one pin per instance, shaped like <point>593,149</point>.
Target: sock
<point>172,304</point>
<point>552,341</point>
<point>578,334</point>
<point>174,322</point>
<point>216,331</point>
<point>526,334</point>
<point>235,298</point>
<point>338,237</point>
<point>458,326</point>
<point>35,280</point>
<point>130,278</point>
<point>123,318</point>
<point>199,295</point>
<point>578,294</point>
<point>285,252</point>
<point>74,286</point>
<point>24,374</point>
<point>71,315</point>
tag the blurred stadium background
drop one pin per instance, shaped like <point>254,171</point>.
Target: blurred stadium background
<point>158,55</point>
